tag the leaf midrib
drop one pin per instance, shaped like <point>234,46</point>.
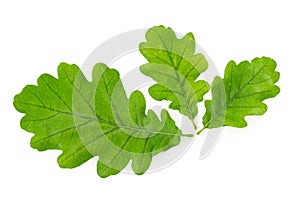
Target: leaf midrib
<point>98,119</point>
<point>177,74</point>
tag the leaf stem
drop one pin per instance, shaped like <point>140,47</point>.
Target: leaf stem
<point>186,135</point>
<point>201,130</point>
<point>194,124</point>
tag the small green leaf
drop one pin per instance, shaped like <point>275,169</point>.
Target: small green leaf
<point>175,66</point>
<point>87,119</point>
<point>241,93</point>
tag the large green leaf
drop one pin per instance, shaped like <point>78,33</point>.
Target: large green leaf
<point>175,66</point>
<point>87,119</point>
<point>241,93</point>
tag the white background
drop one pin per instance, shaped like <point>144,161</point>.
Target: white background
<point>257,162</point>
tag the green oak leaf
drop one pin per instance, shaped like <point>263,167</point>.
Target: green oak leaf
<point>241,93</point>
<point>175,67</point>
<point>94,119</point>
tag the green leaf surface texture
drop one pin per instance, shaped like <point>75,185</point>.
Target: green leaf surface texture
<point>241,93</point>
<point>175,66</point>
<point>86,119</point>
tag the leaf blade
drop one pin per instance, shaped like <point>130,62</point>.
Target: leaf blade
<point>175,67</point>
<point>246,86</point>
<point>87,119</point>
